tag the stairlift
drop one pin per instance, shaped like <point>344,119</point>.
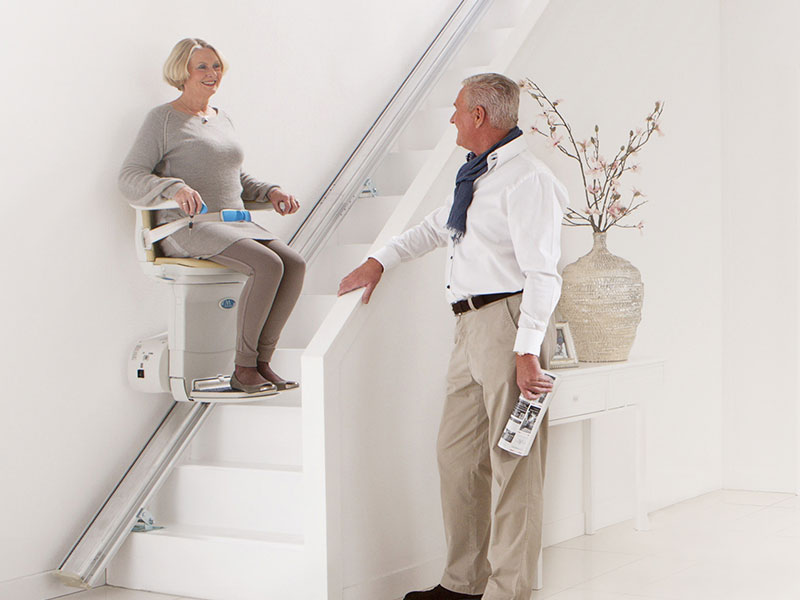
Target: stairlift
<point>194,358</point>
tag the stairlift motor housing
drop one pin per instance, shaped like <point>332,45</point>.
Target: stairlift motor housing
<point>200,343</point>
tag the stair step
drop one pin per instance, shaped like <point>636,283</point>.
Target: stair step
<point>482,44</point>
<point>333,263</point>
<point>212,564</point>
<point>445,91</point>
<point>502,14</point>
<point>366,219</point>
<point>286,362</point>
<point>252,432</point>
<point>308,314</point>
<point>396,172</point>
<point>226,495</point>
<point>425,129</point>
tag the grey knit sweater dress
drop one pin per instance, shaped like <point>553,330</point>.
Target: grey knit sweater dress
<point>173,149</point>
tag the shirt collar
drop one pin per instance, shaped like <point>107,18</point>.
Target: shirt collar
<point>506,152</point>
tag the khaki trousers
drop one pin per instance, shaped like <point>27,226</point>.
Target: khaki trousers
<point>491,549</point>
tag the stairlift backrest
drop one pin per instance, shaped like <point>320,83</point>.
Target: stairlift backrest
<point>144,222</point>
<point>168,268</point>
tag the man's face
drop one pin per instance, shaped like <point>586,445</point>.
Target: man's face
<point>465,121</point>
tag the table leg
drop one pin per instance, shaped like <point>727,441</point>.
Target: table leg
<point>588,487</point>
<point>641,520</point>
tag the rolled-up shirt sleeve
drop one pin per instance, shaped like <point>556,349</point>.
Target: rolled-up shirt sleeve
<point>534,220</point>
<point>430,234</point>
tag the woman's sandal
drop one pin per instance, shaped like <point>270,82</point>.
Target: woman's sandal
<point>282,386</point>
<point>251,389</point>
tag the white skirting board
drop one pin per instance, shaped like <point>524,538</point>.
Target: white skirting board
<point>42,586</point>
<point>428,574</point>
<point>399,583</point>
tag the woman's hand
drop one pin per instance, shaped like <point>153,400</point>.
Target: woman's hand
<point>189,200</point>
<point>285,204</point>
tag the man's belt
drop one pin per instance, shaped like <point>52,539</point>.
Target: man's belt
<point>476,302</point>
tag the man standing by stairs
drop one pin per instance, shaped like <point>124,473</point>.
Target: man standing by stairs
<point>502,230</point>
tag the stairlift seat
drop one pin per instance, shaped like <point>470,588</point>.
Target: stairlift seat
<point>192,359</point>
<point>196,263</point>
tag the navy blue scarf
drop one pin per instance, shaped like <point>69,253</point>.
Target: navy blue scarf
<point>467,174</point>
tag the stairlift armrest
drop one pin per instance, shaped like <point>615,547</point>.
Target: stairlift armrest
<point>163,205</point>
<point>167,205</point>
<point>171,204</point>
<point>258,206</point>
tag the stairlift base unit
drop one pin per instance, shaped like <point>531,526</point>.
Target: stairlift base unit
<point>200,344</point>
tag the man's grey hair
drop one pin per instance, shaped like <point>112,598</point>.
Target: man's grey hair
<point>497,94</point>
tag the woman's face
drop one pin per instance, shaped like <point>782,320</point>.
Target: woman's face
<point>205,72</point>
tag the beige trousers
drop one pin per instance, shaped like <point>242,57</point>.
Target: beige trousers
<point>491,549</point>
<point>275,276</point>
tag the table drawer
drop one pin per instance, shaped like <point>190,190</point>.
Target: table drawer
<point>575,398</point>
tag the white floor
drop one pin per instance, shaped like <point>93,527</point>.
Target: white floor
<point>731,545</point>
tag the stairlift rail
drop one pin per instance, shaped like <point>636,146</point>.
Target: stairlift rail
<point>85,564</point>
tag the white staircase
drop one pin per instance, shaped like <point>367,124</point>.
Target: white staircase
<point>241,509</point>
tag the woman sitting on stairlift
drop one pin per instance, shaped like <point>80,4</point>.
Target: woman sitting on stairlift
<point>188,151</point>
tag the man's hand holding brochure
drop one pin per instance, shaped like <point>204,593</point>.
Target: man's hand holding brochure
<point>525,420</point>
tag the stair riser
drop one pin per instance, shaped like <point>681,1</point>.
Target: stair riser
<point>333,263</point>
<point>481,44</point>
<point>210,568</point>
<point>232,498</point>
<point>425,130</point>
<point>365,220</point>
<point>254,434</point>
<point>394,176</point>
<point>308,314</point>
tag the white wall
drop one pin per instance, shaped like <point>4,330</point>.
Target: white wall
<point>760,157</point>
<point>610,65</point>
<point>307,79</point>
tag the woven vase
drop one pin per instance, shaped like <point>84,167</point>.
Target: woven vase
<point>601,299</point>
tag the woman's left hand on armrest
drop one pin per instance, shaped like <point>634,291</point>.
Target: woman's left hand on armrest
<point>285,204</point>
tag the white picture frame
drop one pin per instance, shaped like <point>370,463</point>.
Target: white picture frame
<point>564,354</point>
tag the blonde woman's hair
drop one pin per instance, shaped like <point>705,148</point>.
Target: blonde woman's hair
<point>176,69</point>
<point>497,94</point>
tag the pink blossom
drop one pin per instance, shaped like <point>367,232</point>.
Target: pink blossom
<point>594,170</point>
<point>637,193</point>
<point>555,140</point>
<point>616,210</point>
<point>593,189</point>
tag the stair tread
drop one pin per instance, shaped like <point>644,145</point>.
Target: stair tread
<point>219,533</point>
<point>244,466</point>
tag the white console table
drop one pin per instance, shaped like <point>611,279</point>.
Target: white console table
<point>595,389</point>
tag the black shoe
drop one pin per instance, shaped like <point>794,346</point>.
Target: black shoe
<point>440,593</point>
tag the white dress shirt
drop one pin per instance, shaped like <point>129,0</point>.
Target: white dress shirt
<point>512,242</point>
